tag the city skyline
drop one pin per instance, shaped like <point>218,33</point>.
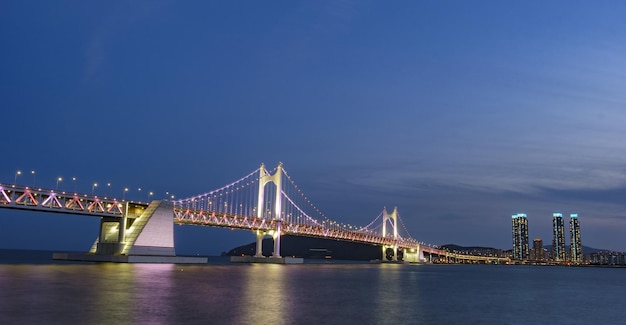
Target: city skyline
<point>460,114</point>
<point>560,251</point>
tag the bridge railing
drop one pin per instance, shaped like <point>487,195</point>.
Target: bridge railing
<point>27,198</point>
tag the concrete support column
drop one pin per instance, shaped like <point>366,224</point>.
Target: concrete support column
<point>277,240</point>
<point>259,243</point>
<point>395,252</point>
<point>122,234</point>
<point>101,230</point>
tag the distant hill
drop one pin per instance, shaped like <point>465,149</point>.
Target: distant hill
<point>473,250</point>
<point>315,248</point>
<point>468,249</point>
<point>457,247</point>
<point>586,250</point>
<point>321,248</point>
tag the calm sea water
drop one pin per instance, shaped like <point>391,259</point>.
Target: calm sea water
<point>222,293</point>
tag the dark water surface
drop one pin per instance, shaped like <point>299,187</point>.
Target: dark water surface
<point>309,294</point>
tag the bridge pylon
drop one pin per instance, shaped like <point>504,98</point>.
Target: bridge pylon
<point>265,178</point>
<point>394,219</point>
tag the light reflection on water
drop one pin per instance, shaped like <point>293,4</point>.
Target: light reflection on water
<point>307,294</point>
<point>393,297</point>
<point>265,297</point>
<point>152,290</point>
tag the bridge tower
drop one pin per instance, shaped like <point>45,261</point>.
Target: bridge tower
<point>394,219</point>
<point>265,178</point>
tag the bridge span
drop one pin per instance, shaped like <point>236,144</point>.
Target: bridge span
<point>143,232</point>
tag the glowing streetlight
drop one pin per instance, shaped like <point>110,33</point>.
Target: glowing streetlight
<point>93,187</point>
<point>33,173</point>
<point>124,193</point>
<point>17,173</point>
<point>109,188</point>
<point>59,180</point>
<point>74,181</point>
<point>150,196</point>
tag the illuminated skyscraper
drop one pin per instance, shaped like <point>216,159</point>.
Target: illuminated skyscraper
<point>576,246</point>
<point>558,237</point>
<point>520,236</point>
<point>537,254</point>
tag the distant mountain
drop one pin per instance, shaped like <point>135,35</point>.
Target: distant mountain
<point>317,248</point>
<point>321,248</point>
<point>487,250</point>
<point>457,247</point>
<point>473,250</point>
<point>586,250</point>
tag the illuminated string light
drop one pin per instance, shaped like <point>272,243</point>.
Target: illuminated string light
<point>234,206</point>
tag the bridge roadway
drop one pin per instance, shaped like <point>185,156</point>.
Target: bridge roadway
<point>445,257</point>
<point>252,223</point>
<point>46,200</point>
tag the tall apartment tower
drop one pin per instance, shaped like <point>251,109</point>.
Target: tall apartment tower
<point>558,237</point>
<point>576,246</point>
<point>520,236</point>
<point>537,254</point>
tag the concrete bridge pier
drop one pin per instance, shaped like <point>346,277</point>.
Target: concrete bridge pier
<point>413,255</point>
<point>276,236</point>
<point>427,259</point>
<point>111,237</point>
<point>260,234</point>
<point>259,242</point>
<point>260,258</point>
<point>142,235</point>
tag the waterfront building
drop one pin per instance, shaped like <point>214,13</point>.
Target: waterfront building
<point>520,236</point>
<point>608,258</point>
<point>558,238</point>
<point>537,251</point>
<point>576,246</point>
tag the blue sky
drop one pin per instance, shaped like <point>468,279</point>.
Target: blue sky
<point>459,113</point>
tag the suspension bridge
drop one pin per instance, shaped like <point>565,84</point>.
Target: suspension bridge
<point>268,203</point>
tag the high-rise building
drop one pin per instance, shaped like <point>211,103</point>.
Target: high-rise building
<point>520,236</point>
<point>537,254</point>
<point>576,246</point>
<point>558,237</point>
